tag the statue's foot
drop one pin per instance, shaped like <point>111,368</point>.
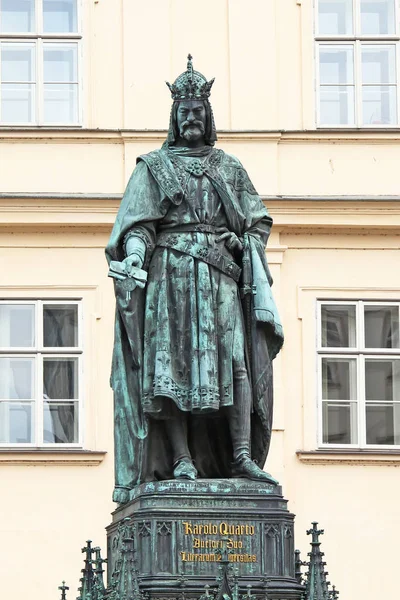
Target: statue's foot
<point>248,469</point>
<point>185,469</point>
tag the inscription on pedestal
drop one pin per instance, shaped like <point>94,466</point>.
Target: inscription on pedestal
<point>181,530</point>
<point>204,541</point>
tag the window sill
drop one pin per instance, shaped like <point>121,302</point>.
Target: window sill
<point>350,457</point>
<point>50,457</point>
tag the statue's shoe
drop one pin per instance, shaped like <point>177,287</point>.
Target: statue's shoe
<point>249,470</point>
<point>185,469</point>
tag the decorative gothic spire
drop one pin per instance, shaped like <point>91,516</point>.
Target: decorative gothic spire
<point>98,562</point>
<point>317,586</point>
<point>298,563</point>
<point>63,589</point>
<point>87,579</point>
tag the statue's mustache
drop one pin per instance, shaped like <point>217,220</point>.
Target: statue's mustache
<point>183,126</point>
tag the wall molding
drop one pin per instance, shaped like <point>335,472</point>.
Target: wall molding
<point>292,136</point>
<point>350,457</point>
<point>50,457</point>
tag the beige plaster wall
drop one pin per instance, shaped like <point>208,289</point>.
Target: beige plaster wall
<point>261,53</point>
<point>252,48</point>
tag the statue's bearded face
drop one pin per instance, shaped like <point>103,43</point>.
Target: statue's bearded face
<point>191,121</point>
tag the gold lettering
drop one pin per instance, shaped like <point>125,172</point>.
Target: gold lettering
<point>223,528</point>
<point>188,528</point>
<point>199,557</point>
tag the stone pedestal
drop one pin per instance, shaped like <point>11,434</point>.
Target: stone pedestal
<point>177,530</point>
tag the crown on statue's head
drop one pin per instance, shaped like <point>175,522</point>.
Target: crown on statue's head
<point>190,85</point>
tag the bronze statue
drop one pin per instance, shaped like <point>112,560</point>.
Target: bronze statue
<point>196,326</point>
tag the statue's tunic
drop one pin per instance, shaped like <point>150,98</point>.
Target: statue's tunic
<point>186,332</point>
<point>193,311</point>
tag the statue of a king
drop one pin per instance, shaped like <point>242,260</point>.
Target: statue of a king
<point>196,327</point>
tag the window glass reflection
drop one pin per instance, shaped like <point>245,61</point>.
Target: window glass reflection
<point>60,16</point>
<point>60,325</point>
<point>337,105</point>
<point>339,423</point>
<point>17,63</point>
<point>60,63</point>
<point>60,422</point>
<point>378,64</point>
<point>60,378</point>
<point>17,378</point>
<point>335,17</point>
<point>383,423</point>
<point>17,16</point>
<point>377,17</point>
<point>382,379</point>
<point>338,323</point>
<point>17,325</point>
<point>60,103</point>
<point>336,65</point>
<point>381,324</point>
<point>339,379</point>
<point>379,105</point>
<point>16,423</point>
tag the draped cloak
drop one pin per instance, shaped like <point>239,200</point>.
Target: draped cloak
<point>149,360</point>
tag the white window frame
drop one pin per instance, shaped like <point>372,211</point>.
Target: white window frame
<point>39,38</point>
<point>360,353</point>
<point>38,352</point>
<point>356,40</point>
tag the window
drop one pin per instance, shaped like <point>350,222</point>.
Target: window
<point>359,373</point>
<point>40,372</point>
<point>39,62</point>
<point>357,47</point>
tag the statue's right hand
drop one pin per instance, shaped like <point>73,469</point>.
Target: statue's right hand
<point>133,260</point>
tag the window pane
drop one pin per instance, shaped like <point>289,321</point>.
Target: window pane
<point>60,378</point>
<point>382,379</point>
<point>17,103</point>
<point>60,63</point>
<point>338,326</point>
<point>17,16</point>
<point>59,16</point>
<point>335,17</point>
<point>339,379</point>
<point>17,325</point>
<point>60,422</point>
<point>60,325</point>
<point>378,64</point>
<point>60,103</point>
<point>339,423</point>
<point>17,378</point>
<point>383,423</point>
<point>377,16</point>
<point>16,422</point>
<point>336,65</point>
<point>337,105</point>
<point>381,325</point>
<point>379,105</point>
<point>17,63</point>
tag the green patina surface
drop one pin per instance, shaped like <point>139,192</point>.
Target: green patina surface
<point>192,372</point>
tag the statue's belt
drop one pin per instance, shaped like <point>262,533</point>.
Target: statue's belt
<point>211,256</point>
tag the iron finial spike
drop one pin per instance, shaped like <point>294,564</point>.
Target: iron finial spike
<point>63,589</point>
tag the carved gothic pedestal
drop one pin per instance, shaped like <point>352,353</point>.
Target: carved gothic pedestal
<point>171,538</point>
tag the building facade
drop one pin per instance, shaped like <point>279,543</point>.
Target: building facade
<point>306,96</point>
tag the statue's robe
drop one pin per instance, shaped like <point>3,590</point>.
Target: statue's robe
<point>195,318</point>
